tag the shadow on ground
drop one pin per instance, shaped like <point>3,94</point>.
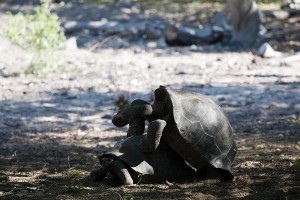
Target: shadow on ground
<point>42,140</point>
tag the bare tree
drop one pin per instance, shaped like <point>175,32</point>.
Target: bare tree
<point>244,16</point>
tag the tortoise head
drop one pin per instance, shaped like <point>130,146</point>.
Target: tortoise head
<point>121,118</point>
<point>160,93</point>
<point>106,161</point>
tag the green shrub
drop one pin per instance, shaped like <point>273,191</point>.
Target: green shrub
<point>297,163</point>
<point>74,173</point>
<point>38,31</point>
<point>46,62</point>
<point>122,101</point>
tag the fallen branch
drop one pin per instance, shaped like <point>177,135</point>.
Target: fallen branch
<point>184,36</point>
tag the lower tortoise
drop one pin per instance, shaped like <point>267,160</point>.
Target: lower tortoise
<point>128,163</point>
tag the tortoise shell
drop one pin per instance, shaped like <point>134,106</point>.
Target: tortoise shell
<point>198,130</point>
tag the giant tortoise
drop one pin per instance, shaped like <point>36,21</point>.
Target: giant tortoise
<point>192,124</point>
<point>133,166</point>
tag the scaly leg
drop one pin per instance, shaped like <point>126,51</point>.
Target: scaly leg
<point>121,171</point>
<point>151,140</point>
<point>137,123</point>
<point>126,115</point>
<point>140,110</point>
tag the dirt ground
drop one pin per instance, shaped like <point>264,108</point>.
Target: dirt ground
<point>53,126</point>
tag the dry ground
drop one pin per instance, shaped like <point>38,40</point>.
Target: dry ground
<point>53,126</point>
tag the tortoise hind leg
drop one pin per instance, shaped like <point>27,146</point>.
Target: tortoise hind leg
<point>151,140</point>
<point>121,171</point>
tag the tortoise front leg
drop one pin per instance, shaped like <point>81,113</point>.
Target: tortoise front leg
<point>123,117</point>
<point>99,174</point>
<point>137,124</point>
<point>142,110</point>
<point>136,127</point>
<point>151,140</point>
<point>121,171</point>
<point>134,115</point>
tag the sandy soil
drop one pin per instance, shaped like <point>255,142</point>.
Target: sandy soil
<point>53,126</point>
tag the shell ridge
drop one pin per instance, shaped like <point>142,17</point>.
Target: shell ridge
<point>217,146</point>
<point>196,143</point>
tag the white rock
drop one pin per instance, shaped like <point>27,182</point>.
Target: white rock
<point>266,51</point>
<point>70,44</point>
<point>161,43</point>
<point>4,43</point>
<point>152,44</point>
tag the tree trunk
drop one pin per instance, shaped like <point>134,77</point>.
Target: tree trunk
<point>244,16</point>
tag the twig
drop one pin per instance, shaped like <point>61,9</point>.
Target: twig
<point>101,43</point>
<point>69,162</point>
<point>48,188</point>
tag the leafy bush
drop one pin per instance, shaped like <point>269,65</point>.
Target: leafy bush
<point>38,31</point>
<point>122,101</point>
<point>45,62</point>
<point>74,173</point>
<point>297,163</point>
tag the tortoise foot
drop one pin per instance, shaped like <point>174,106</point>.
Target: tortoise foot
<point>98,174</point>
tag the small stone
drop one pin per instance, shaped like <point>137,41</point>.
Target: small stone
<point>247,129</point>
<point>281,14</point>
<point>222,99</point>
<point>5,44</point>
<point>71,97</point>
<point>3,178</point>
<point>161,43</point>
<point>152,45</point>
<point>169,183</point>
<point>266,51</point>
<point>84,127</point>
<point>233,104</point>
<point>70,44</point>
<point>14,122</point>
<point>107,116</point>
<point>193,48</point>
<point>152,33</point>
